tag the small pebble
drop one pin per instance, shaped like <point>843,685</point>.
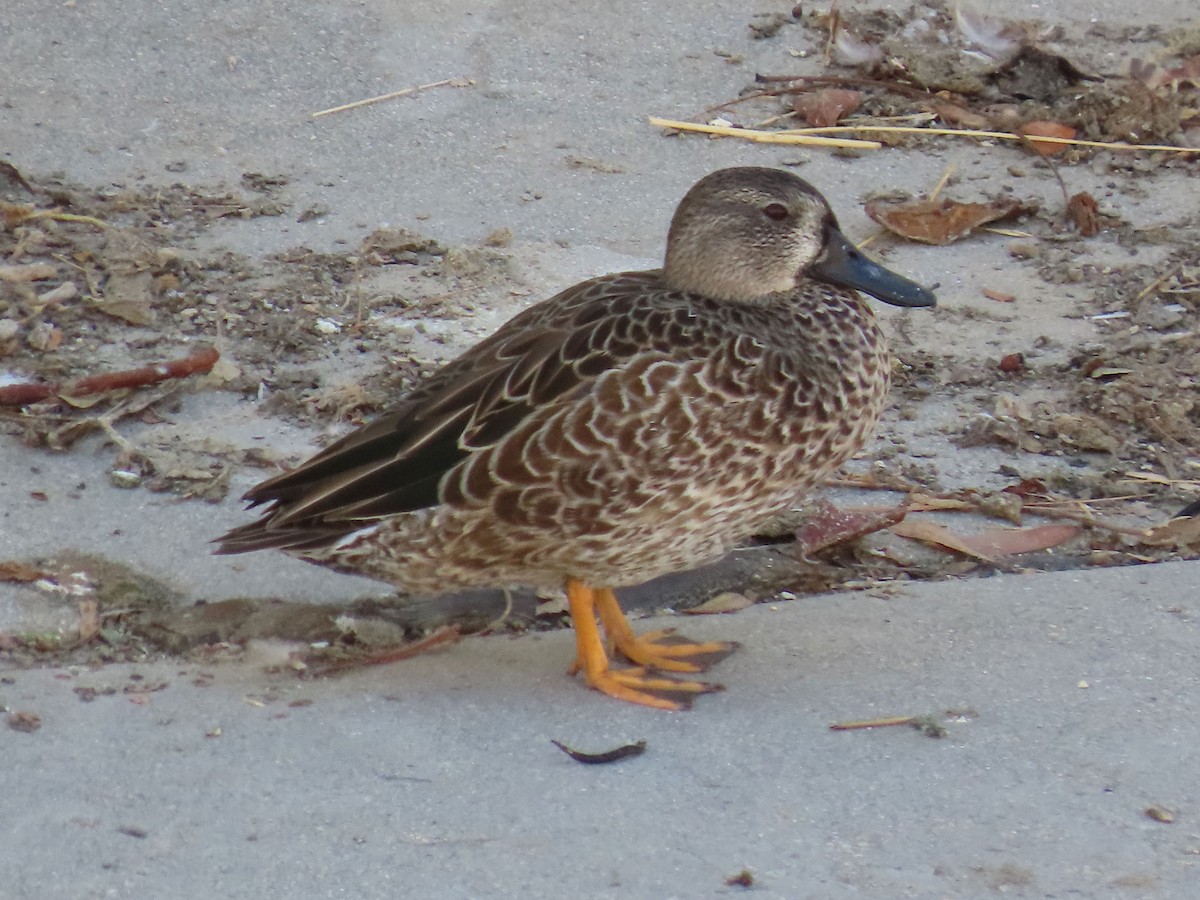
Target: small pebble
<point>124,479</point>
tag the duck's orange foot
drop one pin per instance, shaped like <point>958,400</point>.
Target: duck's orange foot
<point>646,688</point>
<point>659,650</point>
<point>662,649</point>
<point>672,652</point>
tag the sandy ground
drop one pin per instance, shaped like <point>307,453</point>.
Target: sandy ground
<point>1068,697</point>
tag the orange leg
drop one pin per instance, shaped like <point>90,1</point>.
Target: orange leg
<point>632,685</point>
<point>661,649</point>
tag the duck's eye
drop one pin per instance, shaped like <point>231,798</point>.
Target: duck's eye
<point>776,211</point>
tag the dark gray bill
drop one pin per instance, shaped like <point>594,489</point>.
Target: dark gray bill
<point>844,264</point>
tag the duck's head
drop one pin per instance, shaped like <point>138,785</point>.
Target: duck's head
<point>742,234</point>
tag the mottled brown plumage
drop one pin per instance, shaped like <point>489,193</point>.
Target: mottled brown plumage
<point>635,424</point>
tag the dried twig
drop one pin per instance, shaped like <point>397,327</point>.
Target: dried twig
<point>447,634</point>
<point>972,133</point>
<point>198,363</point>
<point>805,136</point>
<point>859,724</point>
<point>59,216</point>
<point>766,137</point>
<point>452,82</point>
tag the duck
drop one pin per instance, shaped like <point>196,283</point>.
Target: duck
<point>633,425</point>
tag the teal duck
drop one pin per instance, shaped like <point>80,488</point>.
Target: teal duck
<point>633,425</point>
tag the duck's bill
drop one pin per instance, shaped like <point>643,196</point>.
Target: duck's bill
<point>845,265</point>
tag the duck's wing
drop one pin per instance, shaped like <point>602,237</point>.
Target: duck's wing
<point>396,463</point>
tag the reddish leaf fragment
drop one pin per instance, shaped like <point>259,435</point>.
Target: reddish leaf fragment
<point>202,360</point>
<point>1014,541</point>
<point>939,535</point>
<point>827,107</point>
<point>1029,487</point>
<point>724,602</point>
<point>23,720</point>
<point>1012,363</point>
<point>998,296</point>
<point>990,544</point>
<point>942,221</point>
<point>1084,212</point>
<point>744,878</point>
<point>20,573</point>
<point>830,526</point>
<point>952,114</point>
<point>1035,130</point>
<point>1181,531</point>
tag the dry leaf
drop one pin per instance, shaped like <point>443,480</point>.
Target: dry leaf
<point>129,298</point>
<point>128,311</point>
<point>1084,212</point>
<point>942,221</point>
<point>19,572</point>
<point>989,544</point>
<point>24,720</point>
<point>1029,487</point>
<point>1013,541</point>
<point>724,602</point>
<point>44,337</point>
<point>932,533</point>
<point>23,274</point>
<point>1179,532</point>
<point>953,114</point>
<point>919,502</point>
<point>1012,363</point>
<point>89,618</point>
<point>826,107</point>
<point>64,292</point>
<point>13,214</point>
<point>1035,130</point>
<point>830,526</point>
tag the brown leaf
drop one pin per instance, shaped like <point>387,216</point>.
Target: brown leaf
<point>939,535</point>
<point>1029,487</point>
<point>128,311</point>
<point>830,526</point>
<point>921,502</point>
<point>998,296</point>
<point>20,572</point>
<point>724,602</point>
<point>24,720</point>
<point>1179,532</point>
<point>89,618</point>
<point>129,298</point>
<point>942,221</point>
<point>1012,363</point>
<point>1013,541</point>
<point>826,107</point>
<point>1035,130</point>
<point>1084,212</point>
<point>989,544</point>
<point>954,114</point>
<point>13,214</point>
